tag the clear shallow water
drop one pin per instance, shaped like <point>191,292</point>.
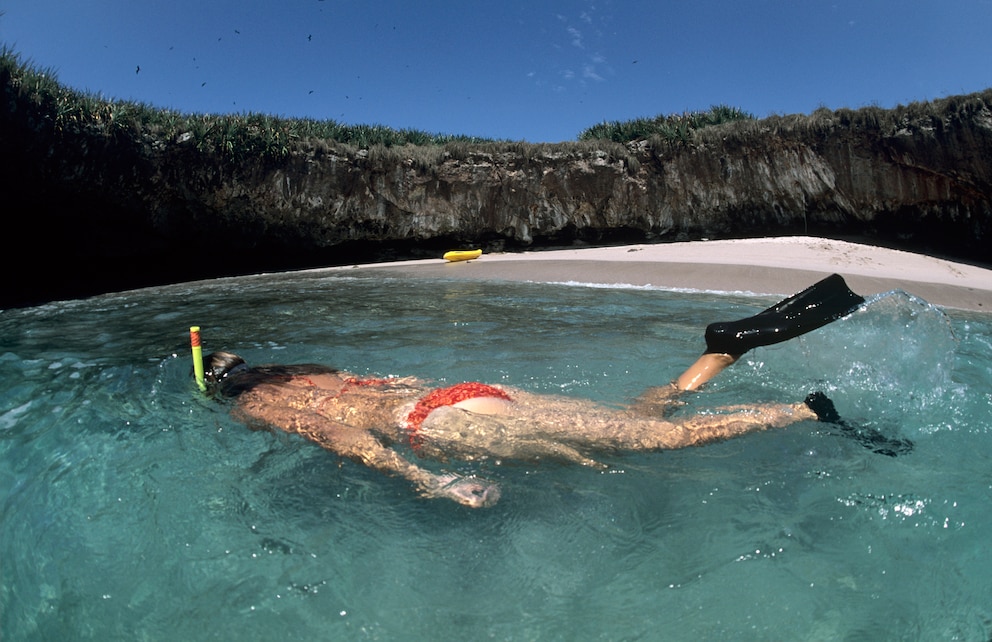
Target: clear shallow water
<point>132,509</point>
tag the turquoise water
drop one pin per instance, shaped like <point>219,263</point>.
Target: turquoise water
<point>133,509</point>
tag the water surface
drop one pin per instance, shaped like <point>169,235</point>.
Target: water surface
<point>134,509</point>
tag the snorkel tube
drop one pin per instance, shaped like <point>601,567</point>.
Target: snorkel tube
<point>194,341</point>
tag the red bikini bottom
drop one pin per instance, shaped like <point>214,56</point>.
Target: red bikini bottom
<point>448,397</point>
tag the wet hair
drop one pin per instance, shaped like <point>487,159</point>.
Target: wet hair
<point>228,375</point>
<point>218,365</point>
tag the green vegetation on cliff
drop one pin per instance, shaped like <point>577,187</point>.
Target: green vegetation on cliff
<point>236,136</point>
<point>54,111</point>
<point>676,128</point>
<point>251,135</point>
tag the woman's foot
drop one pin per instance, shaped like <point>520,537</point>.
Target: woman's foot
<point>867,437</point>
<point>823,407</point>
<point>814,307</point>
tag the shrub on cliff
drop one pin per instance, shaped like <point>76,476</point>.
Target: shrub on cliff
<point>674,128</point>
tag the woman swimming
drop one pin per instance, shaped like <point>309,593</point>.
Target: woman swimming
<point>362,417</point>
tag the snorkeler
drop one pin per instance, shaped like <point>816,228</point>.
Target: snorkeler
<point>361,417</point>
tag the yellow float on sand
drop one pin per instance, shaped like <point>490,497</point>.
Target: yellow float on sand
<point>462,255</point>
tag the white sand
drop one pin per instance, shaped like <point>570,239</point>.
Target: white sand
<point>765,266</point>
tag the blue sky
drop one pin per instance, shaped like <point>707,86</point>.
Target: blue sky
<point>533,70</point>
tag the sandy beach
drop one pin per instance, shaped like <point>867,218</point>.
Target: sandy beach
<point>773,266</point>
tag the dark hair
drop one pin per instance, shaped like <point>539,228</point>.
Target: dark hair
<point>218,365</point>
<point>228,375</point>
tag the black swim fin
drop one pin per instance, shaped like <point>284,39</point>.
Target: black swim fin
<point>867,437</point>
<point>814,307</point>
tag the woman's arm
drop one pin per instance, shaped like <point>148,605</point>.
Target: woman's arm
<point>361,445</point>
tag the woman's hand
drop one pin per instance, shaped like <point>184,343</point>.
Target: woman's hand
<point>468,491</point>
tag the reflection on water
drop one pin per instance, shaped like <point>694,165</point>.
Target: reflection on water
<point>134,508</point>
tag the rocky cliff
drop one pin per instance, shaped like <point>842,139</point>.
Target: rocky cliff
<point>95,208</point>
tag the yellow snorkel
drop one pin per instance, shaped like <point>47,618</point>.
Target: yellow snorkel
<point>194,341</point>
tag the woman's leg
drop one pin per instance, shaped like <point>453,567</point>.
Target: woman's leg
<point>657,401</point>
<point>547,427</point>
<point>705,368</point>
<point>703,429</point>
<point>814,307</point>
<point>604,429</point>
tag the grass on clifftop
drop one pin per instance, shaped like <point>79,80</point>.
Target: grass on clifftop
<point>51,112</point>
<point>252,134</point>
<point>239,135</point>
<point>676,128</point>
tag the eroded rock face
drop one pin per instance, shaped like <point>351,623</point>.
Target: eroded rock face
<point>481,198</point>
<point>126,212</point>
<point>772,184</point>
